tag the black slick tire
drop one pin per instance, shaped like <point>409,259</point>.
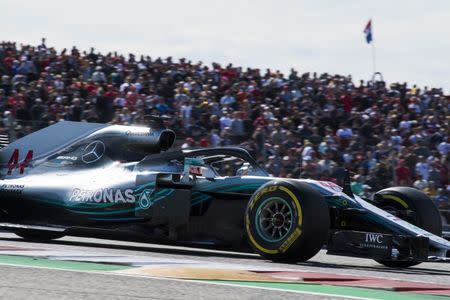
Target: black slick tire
<point>427,215</point>
<point>297,231</point>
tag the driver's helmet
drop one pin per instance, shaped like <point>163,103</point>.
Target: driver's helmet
<point>243,170</point>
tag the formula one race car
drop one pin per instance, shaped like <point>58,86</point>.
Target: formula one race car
<point>110,180</point>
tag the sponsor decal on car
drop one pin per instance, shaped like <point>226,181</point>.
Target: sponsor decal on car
<point>262,192</point>
<point>103,195</point>
<point>149,132</point>
<point>93,152</point>
<point>290,240</point>
<point>330,185</point>
<point>14,163</point>
<point>145,200</point>
<point>63,157</point>
<point>374,240</point>
<point>12,188</point>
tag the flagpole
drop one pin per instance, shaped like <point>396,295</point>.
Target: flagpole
<point>373,50</point>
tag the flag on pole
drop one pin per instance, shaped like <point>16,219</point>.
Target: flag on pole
<point>368,31</point>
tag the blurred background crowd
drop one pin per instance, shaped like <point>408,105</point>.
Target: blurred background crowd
<point>296,125</point>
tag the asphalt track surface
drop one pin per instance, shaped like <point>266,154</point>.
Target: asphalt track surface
<point>37,283</point>
<point>34,283</point>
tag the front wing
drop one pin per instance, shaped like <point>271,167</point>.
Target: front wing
<point>381,246</point>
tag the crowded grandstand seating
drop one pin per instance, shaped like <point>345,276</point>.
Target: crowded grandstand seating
<point>305,125</point>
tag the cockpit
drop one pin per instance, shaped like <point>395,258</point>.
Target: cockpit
<point>218,162</point>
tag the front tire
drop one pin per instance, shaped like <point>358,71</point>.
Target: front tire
<point>287,221</point>
<point>403,199</point>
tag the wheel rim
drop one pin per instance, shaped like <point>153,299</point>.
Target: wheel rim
<point>273,219</point>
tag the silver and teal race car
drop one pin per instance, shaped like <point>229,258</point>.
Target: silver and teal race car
<point>124,182</point>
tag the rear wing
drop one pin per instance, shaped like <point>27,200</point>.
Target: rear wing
<point>26,151</point>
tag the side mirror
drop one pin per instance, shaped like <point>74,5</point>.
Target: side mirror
<point>172,181</point>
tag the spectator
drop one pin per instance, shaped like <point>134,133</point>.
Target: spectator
<point>237,127</point>
<point>422,168</point>
<point>75,111</point>
<point>431,190</point>
<point>403,174</point>
<point>188,143</point>
<point>357,185</point>
<point>442,199</point>
<point>272,166</point>
<point>420,183</point>
<point>37,110</point>
<point>98,76</point>
<point>326,164</point>
<point>215,139</point>
<point>308,151</point>
<point>225,120</point>
<point>312,125</point>
<point>444,147</point>
<point>227,99</point>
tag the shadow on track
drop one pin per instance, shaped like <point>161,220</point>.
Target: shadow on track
<point>204,252</point>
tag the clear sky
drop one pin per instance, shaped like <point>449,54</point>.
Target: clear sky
<point>412,37</point>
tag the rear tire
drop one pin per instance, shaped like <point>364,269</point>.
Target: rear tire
<point>287,221</point>
<point>402,199</point>
<point>38,236</point>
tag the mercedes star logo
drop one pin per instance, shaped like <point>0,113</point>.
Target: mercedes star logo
<point>93,152</point>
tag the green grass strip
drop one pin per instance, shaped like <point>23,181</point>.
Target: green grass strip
<point>30,261</point>
<point>335,290</point>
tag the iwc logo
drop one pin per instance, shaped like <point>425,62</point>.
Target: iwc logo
<point>145,200</point>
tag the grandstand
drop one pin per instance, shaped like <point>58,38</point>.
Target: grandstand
<point>297,125</point>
